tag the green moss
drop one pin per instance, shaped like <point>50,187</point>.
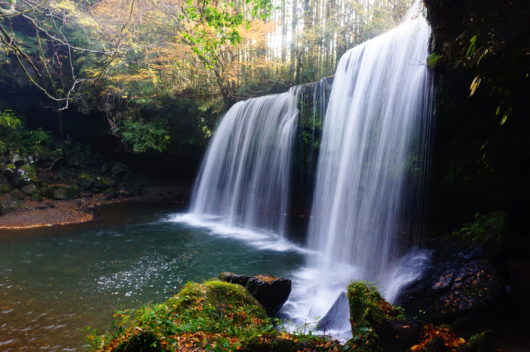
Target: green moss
<point>433,60</point>
<point>85,180</point>
<point>482,342</point>
<point>368,310</point>
<point>485,231</point>
<point>482,228</point>
<point>218,310</point>
<point>213,316</point>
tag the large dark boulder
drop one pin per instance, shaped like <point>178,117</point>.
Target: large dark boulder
<point>462,276</point>
<point>270,291</point>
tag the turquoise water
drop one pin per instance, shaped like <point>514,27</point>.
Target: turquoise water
<point>56,282</point>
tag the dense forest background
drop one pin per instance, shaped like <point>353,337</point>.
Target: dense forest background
<point>145,82</point>
<point>151,78</point>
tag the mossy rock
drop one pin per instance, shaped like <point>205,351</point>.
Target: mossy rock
<point>46,190</point>
<point>270,291</point>
<point>213,316</point>
<point>217,309</point>
<point>215,293</point>
<point>376,324</point>
<point>483,234</point>
<point>85,181</point>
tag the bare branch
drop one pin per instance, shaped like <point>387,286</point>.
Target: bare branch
<point>10,10</point>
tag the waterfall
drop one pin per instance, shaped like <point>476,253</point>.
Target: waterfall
<point>370,169</point>
<point>372,141</point>
<point>244,180</point>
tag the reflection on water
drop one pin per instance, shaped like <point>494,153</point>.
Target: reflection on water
<point>56,282</point>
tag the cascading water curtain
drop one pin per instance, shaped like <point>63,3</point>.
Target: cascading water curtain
<point>244,179</point>
<point>373,141</point>
<point>370,169</point>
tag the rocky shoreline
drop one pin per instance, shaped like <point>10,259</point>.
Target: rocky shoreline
<point>51,188</point>
<point>52,212</point>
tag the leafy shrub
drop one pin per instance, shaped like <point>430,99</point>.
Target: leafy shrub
<point>14,137</point>
<point>144,136</point>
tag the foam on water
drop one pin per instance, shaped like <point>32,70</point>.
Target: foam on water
<point>260,239</point>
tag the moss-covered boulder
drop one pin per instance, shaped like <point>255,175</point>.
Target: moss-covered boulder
<point>36,197</point>
<point>270,291</point>
<point>376,324</point>
<point>85,181</point>
<point>213,316</point>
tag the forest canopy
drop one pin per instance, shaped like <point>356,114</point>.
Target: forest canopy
<point>122,57</point>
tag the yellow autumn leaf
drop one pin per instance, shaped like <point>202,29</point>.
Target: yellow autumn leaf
<point>474,85</point>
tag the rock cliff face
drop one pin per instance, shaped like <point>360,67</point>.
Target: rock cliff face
<point>481,62</point>
<point>481,152</point>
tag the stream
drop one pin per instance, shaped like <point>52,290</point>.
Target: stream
<point>56,282</point>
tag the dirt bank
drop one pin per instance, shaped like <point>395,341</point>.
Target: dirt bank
<point>76,211</point>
